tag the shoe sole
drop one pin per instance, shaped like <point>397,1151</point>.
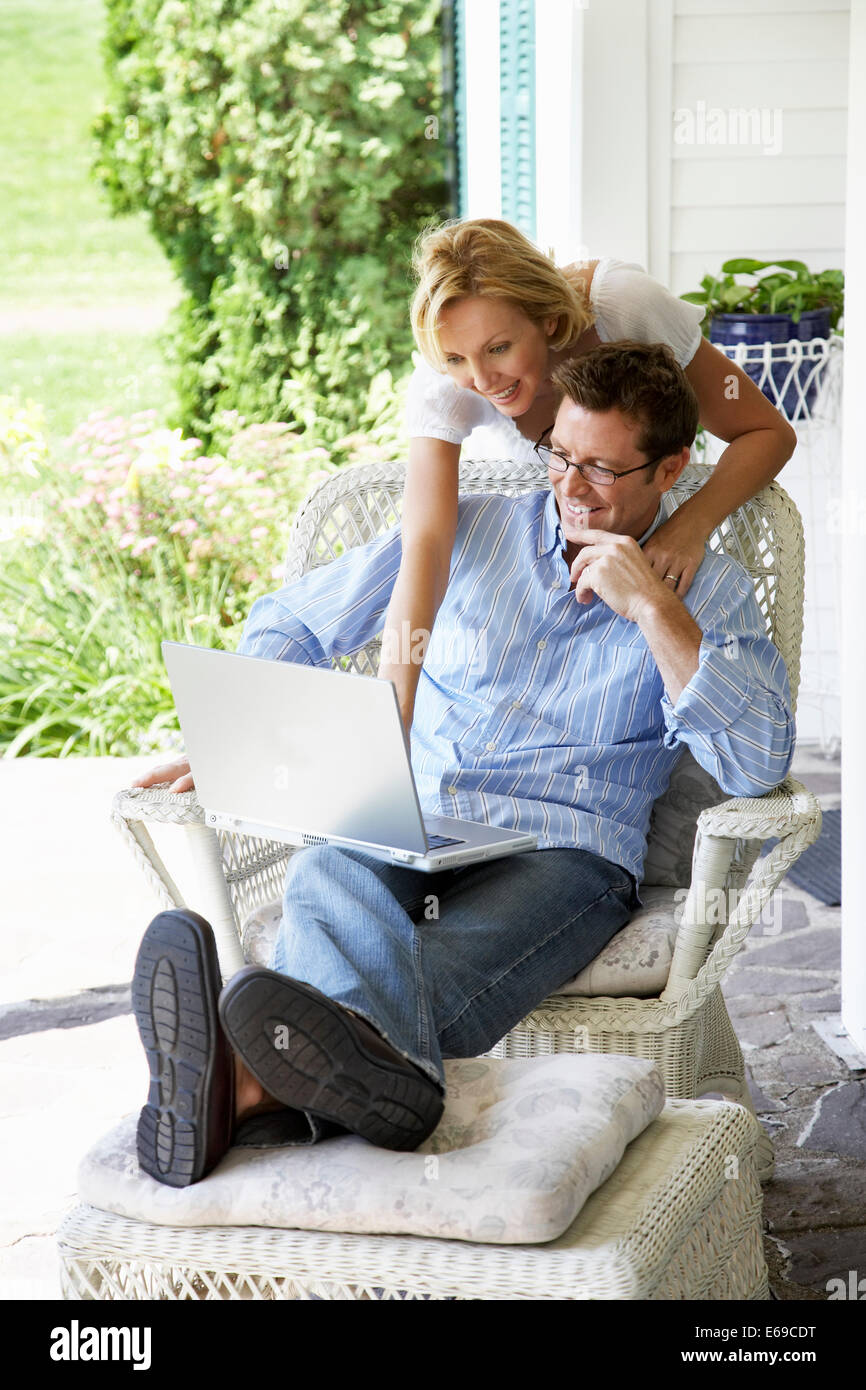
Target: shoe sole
<point>175,989</point>
<point>302,1048</point>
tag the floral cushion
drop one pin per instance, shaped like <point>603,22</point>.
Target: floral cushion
<point>521,1145</point>
<point>259,932</point>
<point>634,964</point>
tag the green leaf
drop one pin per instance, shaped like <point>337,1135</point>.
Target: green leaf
<point>744,267</point>
<point>733,296</point>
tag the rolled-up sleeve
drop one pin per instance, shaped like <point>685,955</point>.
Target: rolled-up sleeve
<point>330,612</point>
<point>735,713</point>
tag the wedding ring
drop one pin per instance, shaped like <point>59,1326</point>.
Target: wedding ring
<point>674,577</point>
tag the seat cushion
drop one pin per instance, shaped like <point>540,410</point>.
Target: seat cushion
<point>521,1145</point>
<point>634,964</point>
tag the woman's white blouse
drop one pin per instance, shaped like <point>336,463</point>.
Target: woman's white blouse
<point>626,303</point>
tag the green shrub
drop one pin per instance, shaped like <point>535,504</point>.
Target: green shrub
<point>141,537</point>
<point>283,150</point>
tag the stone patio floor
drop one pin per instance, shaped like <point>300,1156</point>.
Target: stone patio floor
<point>71,1063</point>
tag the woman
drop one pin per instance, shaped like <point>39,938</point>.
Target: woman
<point>492,317</point>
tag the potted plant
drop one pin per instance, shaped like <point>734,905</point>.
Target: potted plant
<point>781,301</point>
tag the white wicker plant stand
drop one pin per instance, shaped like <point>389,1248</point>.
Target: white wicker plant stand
<point>813,478</point>
<point>679,1219</point>
<point>712,848</point>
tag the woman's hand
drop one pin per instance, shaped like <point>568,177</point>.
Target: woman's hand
<point>675,549</point>
<point>177,773</point>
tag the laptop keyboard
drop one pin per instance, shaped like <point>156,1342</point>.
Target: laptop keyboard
<point>440,841</point>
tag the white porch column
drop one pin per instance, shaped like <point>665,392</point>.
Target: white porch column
<point>591,112</point>
<point>483,170</point>
<point>559,127</point>
<point>853,654</point>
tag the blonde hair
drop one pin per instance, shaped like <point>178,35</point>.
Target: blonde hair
<point>489,257</point>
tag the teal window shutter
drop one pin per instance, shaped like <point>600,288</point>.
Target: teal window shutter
<point>517,111</point>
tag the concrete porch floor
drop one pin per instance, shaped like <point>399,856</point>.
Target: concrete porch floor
<point>71,1062</point>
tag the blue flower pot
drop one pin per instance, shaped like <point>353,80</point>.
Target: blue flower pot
<point>727,330</point>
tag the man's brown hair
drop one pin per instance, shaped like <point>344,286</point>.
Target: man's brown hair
<point>642,380</point>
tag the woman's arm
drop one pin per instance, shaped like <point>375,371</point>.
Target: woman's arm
<point>429,524</point>
<point>760,442</point>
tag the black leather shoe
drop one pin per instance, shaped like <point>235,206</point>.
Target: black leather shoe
<point>312,1054</point>
<point>186,1125</point>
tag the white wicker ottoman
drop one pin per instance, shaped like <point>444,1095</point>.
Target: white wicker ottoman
<point>680,1218</point>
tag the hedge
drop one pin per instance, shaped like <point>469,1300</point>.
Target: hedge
<point>287,153</point>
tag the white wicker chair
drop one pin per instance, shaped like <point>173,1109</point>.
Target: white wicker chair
<point>693,839</point>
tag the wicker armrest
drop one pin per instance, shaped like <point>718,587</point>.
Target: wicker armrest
<point>132,810</point>
<point>158,804</point>
<point>790,813</point>
<point>788,808</point>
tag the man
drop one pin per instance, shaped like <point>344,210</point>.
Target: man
<point>595,675</point>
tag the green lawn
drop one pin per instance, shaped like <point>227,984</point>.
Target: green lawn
<point>61,247</point>
<point>70,375</point>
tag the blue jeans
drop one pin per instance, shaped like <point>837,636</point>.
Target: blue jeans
<point>444,964</point>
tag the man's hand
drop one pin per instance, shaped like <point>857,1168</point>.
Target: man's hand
<point>177,773</point>
<point>616,569</point>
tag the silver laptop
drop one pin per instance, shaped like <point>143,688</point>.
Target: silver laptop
<point>308,756</point>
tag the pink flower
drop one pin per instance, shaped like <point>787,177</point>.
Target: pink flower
<point>178,493</point>
<point>258,532</point>
<point>146,543</point>
<point>185,527</point>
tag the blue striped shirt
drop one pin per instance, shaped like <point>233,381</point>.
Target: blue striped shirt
<point>535,712</point>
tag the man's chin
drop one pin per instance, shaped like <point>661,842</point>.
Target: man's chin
<point>595,521</point>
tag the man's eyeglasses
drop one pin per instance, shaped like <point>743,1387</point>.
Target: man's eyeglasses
<point>592,472</point>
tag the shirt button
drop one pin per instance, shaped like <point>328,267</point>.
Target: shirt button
<point>515,704</point>
<point>452,791</point>
<point>557,584</point>
<point>542,644</point>
<point>490,747</point>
